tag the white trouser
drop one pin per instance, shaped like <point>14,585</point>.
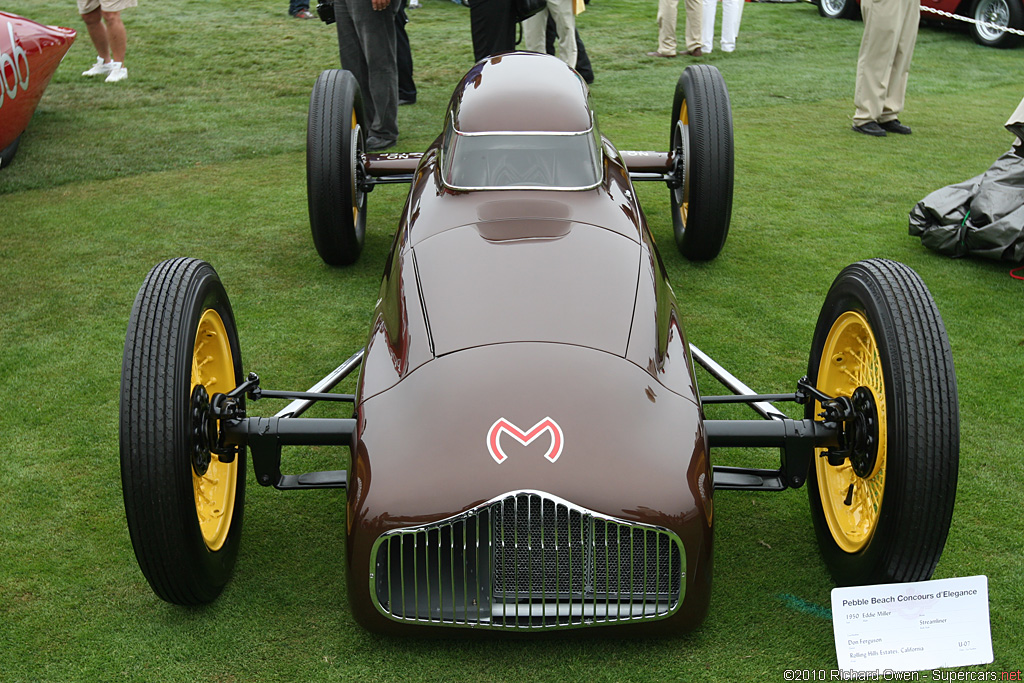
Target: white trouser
<point>732,12</point>
<point>535,30</point>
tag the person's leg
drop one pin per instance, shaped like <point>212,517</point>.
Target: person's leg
<point>694,24</point>
<point>406,84</point>
<point>732,12</point>
<point>376,43</point>
<point>351,55</point>
<point>565,22</point>
<point>492,26</point>
<point>583,66</point>
<point>550,35</point>
<point>667,13</point>
<point>116,35</point>
<point>895,95</point>
<point>707,25</point>
<point>874,62</point>
<point>534,30</point>
<point>97,33</point>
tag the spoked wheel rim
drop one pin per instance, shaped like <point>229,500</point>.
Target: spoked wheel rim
<point>992,12</point>
<point>213,485</point>
<point>680,150</point>
<point>355,163</point>
<point>833,8</point>
<point>852,502</point>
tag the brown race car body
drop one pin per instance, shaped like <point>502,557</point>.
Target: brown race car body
<point>529,450</point>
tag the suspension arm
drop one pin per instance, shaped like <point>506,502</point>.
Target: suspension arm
<point>265,436</point>
<point>797,440</point>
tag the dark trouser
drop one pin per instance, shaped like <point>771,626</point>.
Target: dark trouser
<point>367,46</point>
<point>406,85</point>
<point>295,5</point>
<point>493,26</point>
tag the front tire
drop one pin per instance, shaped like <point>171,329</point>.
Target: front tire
<point>184,505</point>
<point>702,146</point>
<point>334,148</point>
<point>884,518</point>
<point>1003,14</point>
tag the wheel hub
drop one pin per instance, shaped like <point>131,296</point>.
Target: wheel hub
<point>863,433</point>
<point>677,176</point>
<point>857,417</point>
<point>204,430</point>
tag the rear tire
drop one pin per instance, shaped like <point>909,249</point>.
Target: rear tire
<point>1004,13</point>
<point>334,149</point>
<point>185,520</point>
<point>701,142</point>
<point>885,520</point>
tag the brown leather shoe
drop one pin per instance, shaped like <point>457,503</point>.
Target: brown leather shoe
<point>694,53</point>
<point>658,54</point>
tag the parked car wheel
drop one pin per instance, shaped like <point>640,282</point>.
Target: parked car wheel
<point>702,145</point>
<point>1002,14</point>
<point>334,147</point>
<point>883,514</point>
<point>8,152</point>
<point>839,9</point>
<point>184,504</point>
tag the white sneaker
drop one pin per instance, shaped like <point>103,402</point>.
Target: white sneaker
<point>119,72</point>
<point>99,68</point>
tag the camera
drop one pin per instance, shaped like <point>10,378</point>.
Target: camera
<point>325,10</point>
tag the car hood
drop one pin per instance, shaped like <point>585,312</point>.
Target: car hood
<point>537,280</point>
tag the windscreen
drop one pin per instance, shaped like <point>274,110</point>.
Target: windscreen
<point>513,160</point>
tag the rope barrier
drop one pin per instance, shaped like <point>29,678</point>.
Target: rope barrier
<point>986,24</point>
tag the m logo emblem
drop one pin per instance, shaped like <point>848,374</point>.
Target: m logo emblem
<point>502,425</point>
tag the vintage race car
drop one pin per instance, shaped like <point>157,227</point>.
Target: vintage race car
<point>29,54</point>
<point>529,449</point>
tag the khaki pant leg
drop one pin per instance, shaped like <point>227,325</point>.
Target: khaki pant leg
<point>534,32</point>
<point>565,26</point>
<point>907,22</point>
<point>694,24</point>
<point>874,62</point>
<point>667,12</point>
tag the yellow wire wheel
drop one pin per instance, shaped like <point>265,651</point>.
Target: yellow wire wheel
<point>882,499</point>
<point>679,142</point>
<point>355,151</point>
<point>183,502</point>
<point>852,501</point>
<point>214,488</point>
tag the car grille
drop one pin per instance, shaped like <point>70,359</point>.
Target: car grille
<point>528,560</point>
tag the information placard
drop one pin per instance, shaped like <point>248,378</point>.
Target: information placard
<point>912,626</point>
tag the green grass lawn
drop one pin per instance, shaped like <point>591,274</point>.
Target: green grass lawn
<point>201,153</point>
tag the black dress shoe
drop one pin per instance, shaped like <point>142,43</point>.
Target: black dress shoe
<point>376,144</point>
<point>895,126</point>
<point>871,128</point>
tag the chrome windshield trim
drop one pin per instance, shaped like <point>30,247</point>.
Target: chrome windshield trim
<point>443,153</point>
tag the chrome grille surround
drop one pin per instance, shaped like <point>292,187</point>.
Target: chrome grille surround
<point>528,560</point>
